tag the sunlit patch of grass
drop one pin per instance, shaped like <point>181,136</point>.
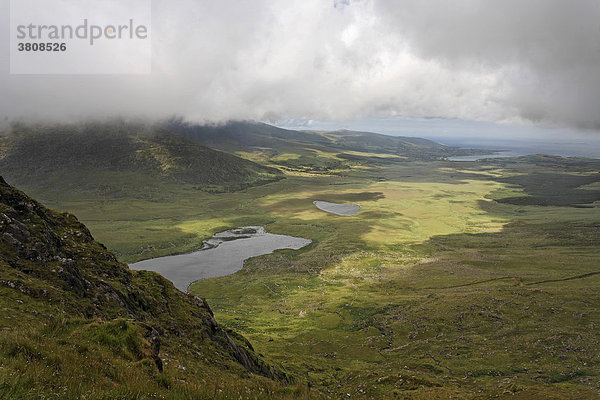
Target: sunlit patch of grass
<point>286,157</point>
<point>415,212</point>
<point>591,186</point>
<point>367,154</point>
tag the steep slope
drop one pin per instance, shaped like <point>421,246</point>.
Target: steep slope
<point>76,320</point>
<point>106,156</point>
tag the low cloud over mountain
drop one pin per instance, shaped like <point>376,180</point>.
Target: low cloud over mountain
<point>535,61</point>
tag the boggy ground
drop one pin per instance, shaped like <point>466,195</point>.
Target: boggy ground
<point>446,283</point>
<point>434,289</point>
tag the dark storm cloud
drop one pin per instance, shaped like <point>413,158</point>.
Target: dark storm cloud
<point>528,60</point>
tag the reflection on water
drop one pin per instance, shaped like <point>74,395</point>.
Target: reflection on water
<point>221,255</point>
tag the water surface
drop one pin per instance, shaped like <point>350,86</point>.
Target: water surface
<point>223,254</point>
<point>498,154</point>
<point>337,208</point>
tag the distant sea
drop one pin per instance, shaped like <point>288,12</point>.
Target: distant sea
<point>513,148</point>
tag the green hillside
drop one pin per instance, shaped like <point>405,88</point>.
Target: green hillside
<point>77,323</point>
<point>118,158</point>
<point>313,152</point>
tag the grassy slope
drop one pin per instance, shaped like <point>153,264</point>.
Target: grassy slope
<point>116,159</point>
<point>431,290</point>
<point>77,323</point>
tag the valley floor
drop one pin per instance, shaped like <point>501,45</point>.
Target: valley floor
<point>462,280</point>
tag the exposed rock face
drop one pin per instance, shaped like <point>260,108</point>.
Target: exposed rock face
<point>52,256</point>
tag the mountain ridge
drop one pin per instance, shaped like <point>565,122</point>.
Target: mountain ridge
<point>38,153</point>
<point>238,135</point>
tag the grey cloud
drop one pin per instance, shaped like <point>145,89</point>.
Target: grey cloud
<point>547,51</point>
<point>506,60</point>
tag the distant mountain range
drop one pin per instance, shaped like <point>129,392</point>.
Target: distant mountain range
<point>238,135</point>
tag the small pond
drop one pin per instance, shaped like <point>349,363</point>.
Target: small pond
<point>337,208</point>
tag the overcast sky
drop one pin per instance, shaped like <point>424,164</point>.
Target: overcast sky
<point>515,61</point>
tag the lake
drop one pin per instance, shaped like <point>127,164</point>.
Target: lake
<point>223,254</point>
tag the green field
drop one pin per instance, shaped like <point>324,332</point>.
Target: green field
<point>433,290</point>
